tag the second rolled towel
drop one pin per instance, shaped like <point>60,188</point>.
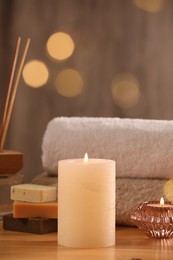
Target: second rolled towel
<point>141,148</point>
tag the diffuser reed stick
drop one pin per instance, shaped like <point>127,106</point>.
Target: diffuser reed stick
<point>11,93</point>
<point>16,54</point>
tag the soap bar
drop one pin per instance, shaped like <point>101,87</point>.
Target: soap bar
<point>29,209</point>
<point>33,193</point>
<point>30,225</point>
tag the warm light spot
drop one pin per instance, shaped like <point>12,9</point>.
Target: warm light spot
<point>168,190</point>
<point>125,90</point>
<point>162,202</point>
<point>69,83</point>
<point>151,6</point>
<point>60,46</point>
<point>86,158</point>
<point>35,74</point>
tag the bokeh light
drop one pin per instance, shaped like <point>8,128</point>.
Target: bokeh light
<point>151,6</point>
<point>125,90</point>
<point>35,73</point>
<point>168,190</point>
<point>60,46</point>
<point>69,83</point>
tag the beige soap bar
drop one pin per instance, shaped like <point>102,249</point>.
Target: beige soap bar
<point>33,193</point>
<point>32,210</point>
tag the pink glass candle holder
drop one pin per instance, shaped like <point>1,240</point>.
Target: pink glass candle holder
<point>154,218</point>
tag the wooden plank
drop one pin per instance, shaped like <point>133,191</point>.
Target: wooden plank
<point>131,243</point>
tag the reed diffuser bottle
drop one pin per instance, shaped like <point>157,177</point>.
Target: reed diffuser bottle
<point>11,162</point>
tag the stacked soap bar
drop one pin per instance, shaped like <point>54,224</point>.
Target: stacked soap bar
<point>29,225</point>
<point>35,207</point>
<point>33,193</point>
<point>31,200</point>
<point>32,210</point>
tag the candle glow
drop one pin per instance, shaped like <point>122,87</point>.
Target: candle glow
<point>162,202</point>
<point>86,158</point>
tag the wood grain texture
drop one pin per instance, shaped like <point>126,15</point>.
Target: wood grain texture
<point>131,243</point>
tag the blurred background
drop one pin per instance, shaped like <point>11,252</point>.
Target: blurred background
<point>96,58</point>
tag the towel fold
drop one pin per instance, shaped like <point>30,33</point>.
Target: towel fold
<point>141,148</point>
<point>130,192</point>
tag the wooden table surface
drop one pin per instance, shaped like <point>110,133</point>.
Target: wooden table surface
<point>131,244</point>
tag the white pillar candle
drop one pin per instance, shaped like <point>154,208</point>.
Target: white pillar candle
<point>86,203</point>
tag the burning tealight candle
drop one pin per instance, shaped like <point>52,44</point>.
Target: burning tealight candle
<point>158,205</point>
<point>156,219</point>
<point>86,203</point>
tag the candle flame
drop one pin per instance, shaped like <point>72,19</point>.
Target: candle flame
<point>162,202</point>
<point>86,158</point>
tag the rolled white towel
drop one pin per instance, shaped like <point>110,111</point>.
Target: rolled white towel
<point>141,148</point>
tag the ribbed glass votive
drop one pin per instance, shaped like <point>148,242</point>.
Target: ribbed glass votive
<point>155,220</point>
